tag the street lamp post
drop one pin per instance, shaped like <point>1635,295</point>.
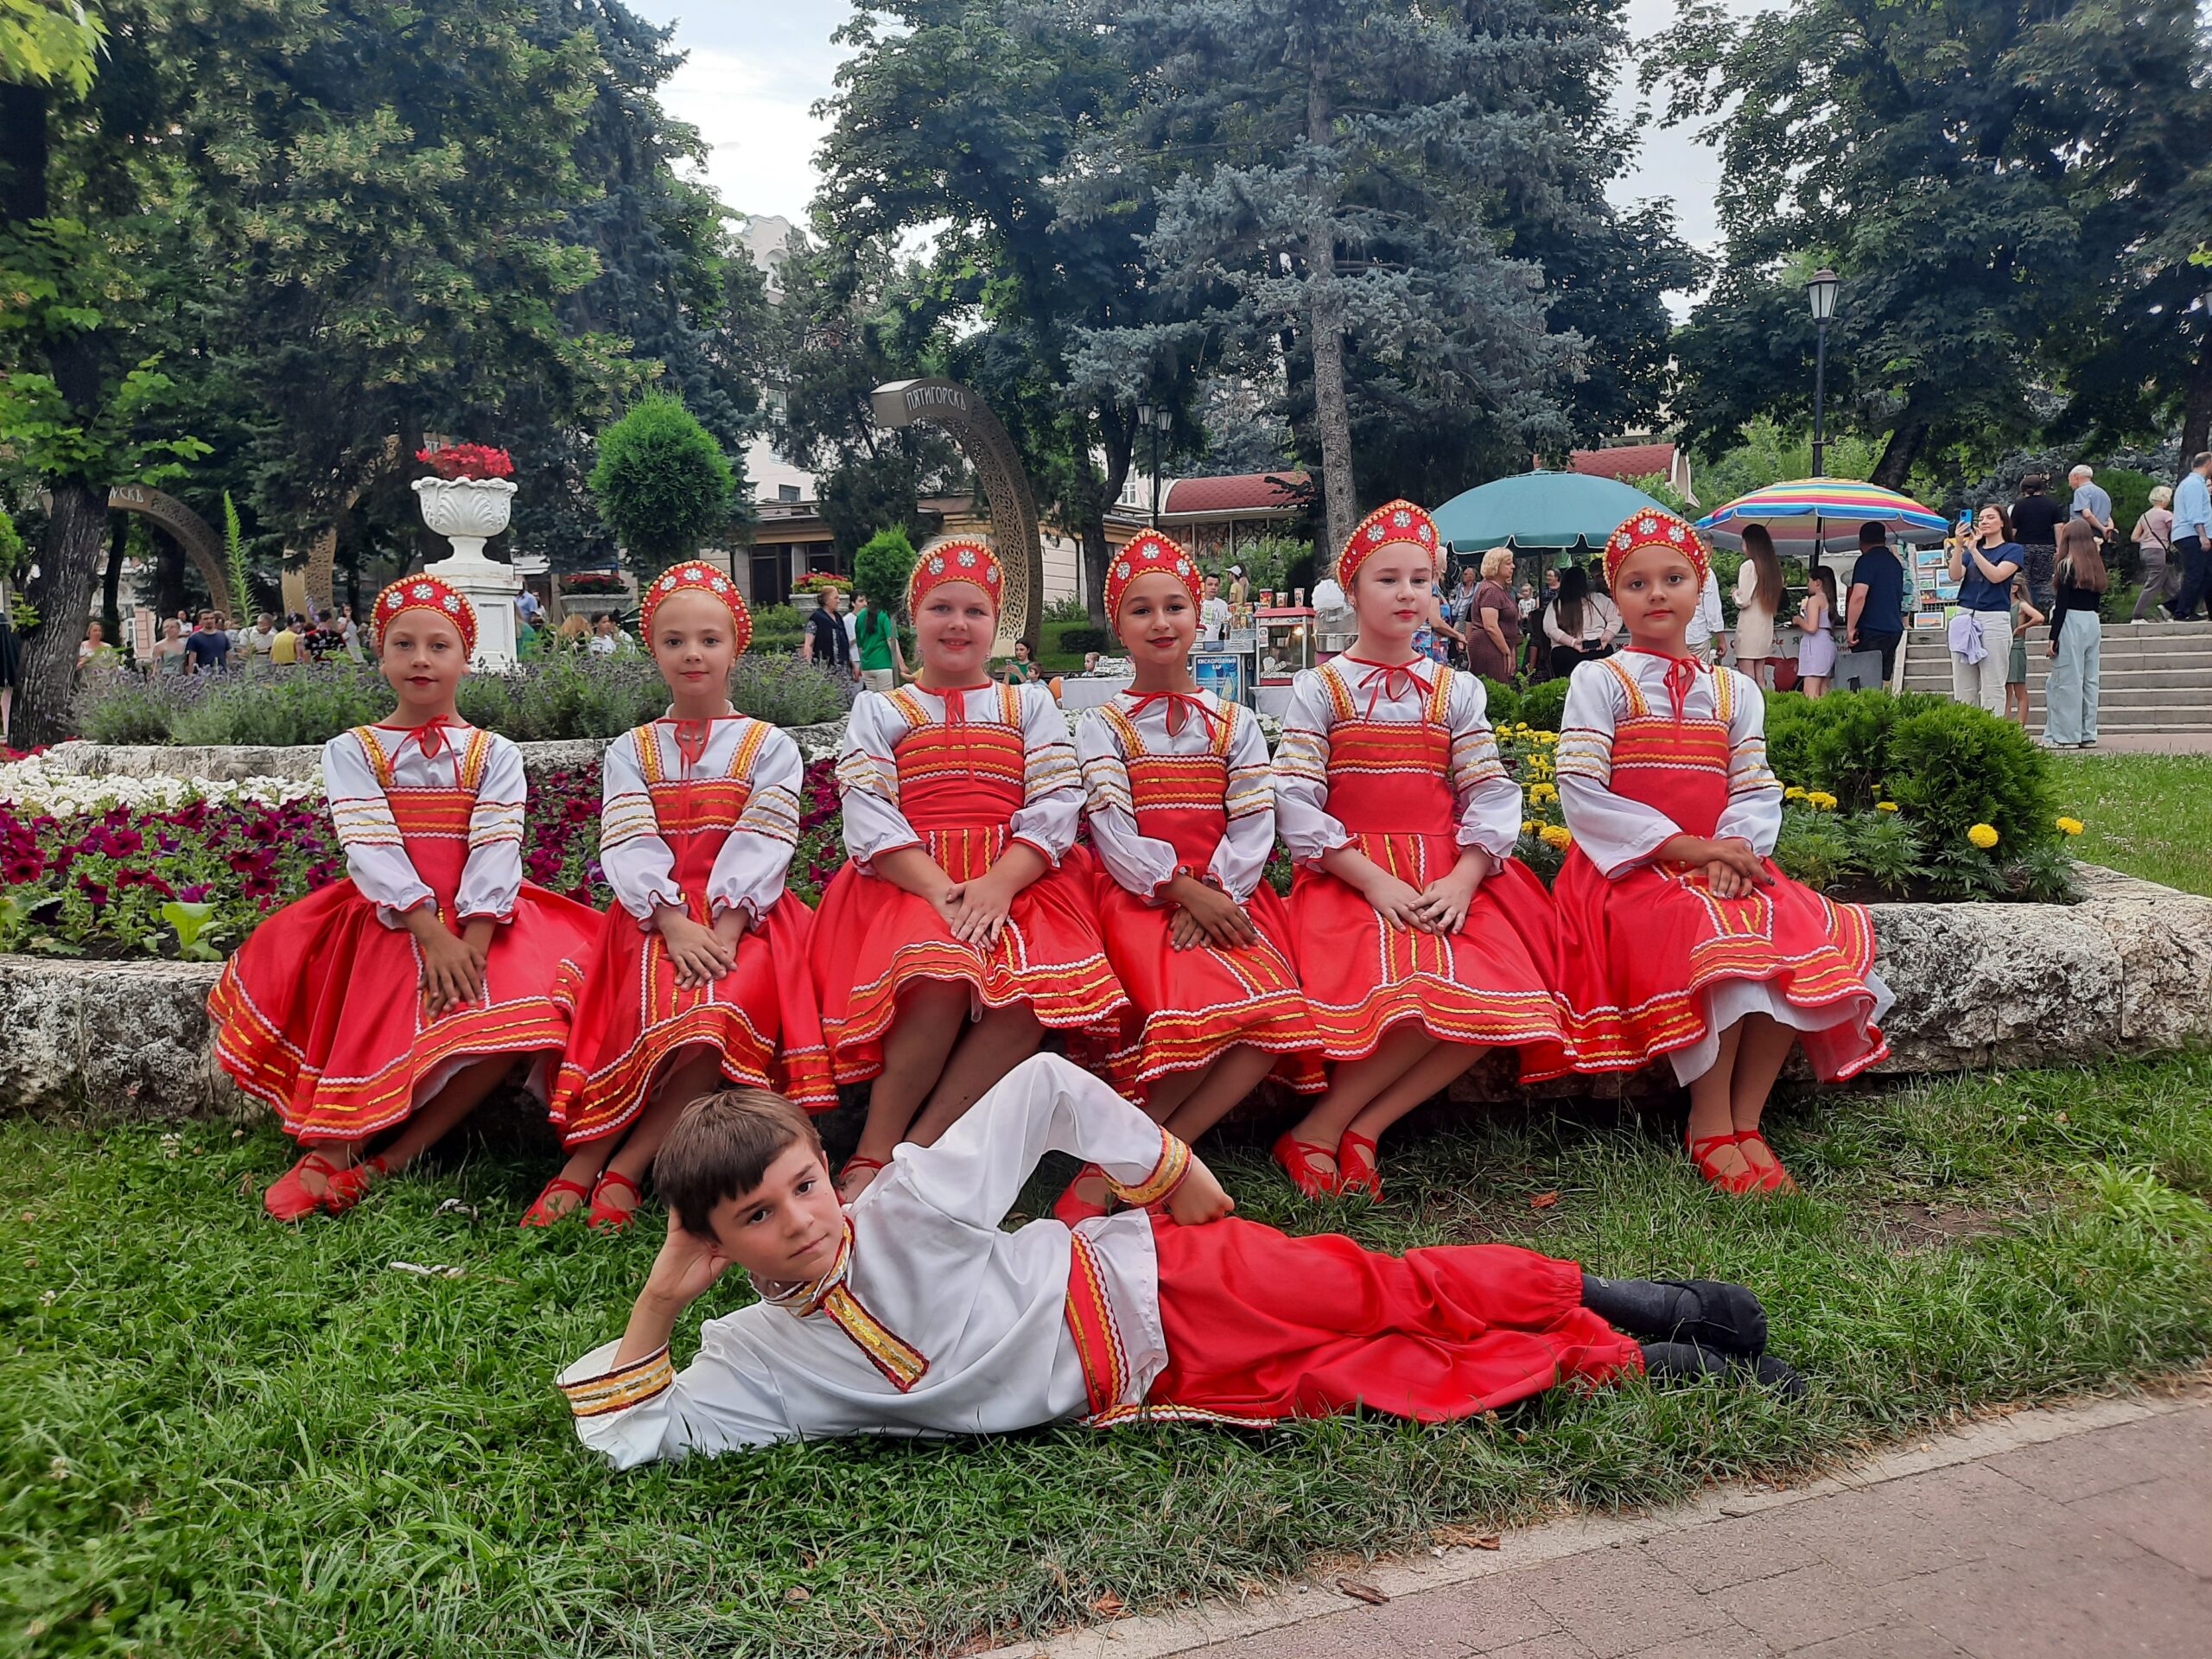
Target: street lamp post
<point>1821,291</point>
<point>1155,423</point>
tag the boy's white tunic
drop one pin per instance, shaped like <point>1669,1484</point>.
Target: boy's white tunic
<point>971,1320</point>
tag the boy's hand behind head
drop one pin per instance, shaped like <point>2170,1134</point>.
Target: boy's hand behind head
<point>686,1267</point>
<point>1199,1197</point>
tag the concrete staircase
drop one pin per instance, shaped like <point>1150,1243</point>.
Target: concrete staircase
<point>2157,679</point>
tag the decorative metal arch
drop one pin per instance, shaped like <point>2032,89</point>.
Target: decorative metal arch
<point>1006,486</point>
<point>193,534</point>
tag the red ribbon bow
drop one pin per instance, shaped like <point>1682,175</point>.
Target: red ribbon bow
<point>691,736</point>
<point>1181,705</point>
<point>1392,680</point>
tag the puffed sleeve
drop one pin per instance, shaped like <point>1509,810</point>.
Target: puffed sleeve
<point>726,1400</point>
<point>749,870</point>
<point>1051,787</point>
<point>867,780</point>
<point>1301,772</point>
<point>491,880</point>
<point>1615,834</point>
<point>1486,798</point>
<point>973,1174</point>
<point>1241,857</point>
<point>376,856</point>
<point>1754,809</point>
<point>640,867</point>
<point>1135,860</point>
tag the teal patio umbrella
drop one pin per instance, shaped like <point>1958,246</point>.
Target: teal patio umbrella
<point>1538,509</point>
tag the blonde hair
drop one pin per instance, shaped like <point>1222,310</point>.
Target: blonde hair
<point>1497,565</point>
<point>2162,495</point>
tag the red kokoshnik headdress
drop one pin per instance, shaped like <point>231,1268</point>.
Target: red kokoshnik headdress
<point>425,593</point>
<point>962,559</point>
<point>696,577</point>
<point>1657,527</point>
<point>1394,521</point>
<point>1148,552</point>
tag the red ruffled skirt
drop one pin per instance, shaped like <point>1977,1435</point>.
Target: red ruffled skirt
<point>1188,1007</point>
<point>633,1020</point>
<point>320,1012</point>
<point>1492,984</point>
<point>1642,952</point>
<point>872,940</point>
<point>1261,1325</point>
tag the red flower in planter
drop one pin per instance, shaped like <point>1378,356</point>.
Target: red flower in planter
<point>23,867</point>
<point>467,460</point>
<point>258,886</point>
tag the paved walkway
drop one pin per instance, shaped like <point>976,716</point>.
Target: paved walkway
<point>2148,743</point>
<point>2078,1531</point>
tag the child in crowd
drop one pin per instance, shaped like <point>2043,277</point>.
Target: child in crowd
<point>1679,936</point>
<point>399,997</point>
<point>911,1312</point>
<point>701,977</point>
<point>965,922</point>
<point>1816,650</point>
<point>2025,616</point>
<point>1421,940</point>
<point>1182,814</point>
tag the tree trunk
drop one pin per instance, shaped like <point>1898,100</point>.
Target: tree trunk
<point>111,585</point>
<point>1331,415</point>
<point>170,596</point>
<point>61,593</point>
<point>1902,450</point>
<point>1097,552</point>
<point>2197,408</point>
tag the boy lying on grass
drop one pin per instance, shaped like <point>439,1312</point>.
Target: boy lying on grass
<point>910,1311</point>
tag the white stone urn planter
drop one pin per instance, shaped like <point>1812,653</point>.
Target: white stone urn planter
<point>470,512</point>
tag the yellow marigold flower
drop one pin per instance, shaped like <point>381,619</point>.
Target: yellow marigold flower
<point>1821,801</point>
<point>2071,826</point>
<point>1983,836</point>
<point>1885,806</point>
<point>1556,835</point>
<point>1527,826</point>
<point>1793,793</point>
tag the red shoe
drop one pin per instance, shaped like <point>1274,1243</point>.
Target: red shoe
<point>854,1162</point>
<point>538,1216</point>
<point>288,1198</point>
<point>1072,1206</point>
<point>1356,1171</point>
<point>351,1185</point>
<point>1296,1158</point>
<point>1746,1180</point>
<point>1773,1178</point>
<point>604,1216</point>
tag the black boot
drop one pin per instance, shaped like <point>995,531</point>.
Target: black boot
<point>1710,1313</point>
<point>1686,1361</point>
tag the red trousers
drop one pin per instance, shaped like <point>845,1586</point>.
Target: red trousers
<point>1263,1324</point>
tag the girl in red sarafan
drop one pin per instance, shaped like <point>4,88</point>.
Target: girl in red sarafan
<point>1679,936</point>
<point>1421,939</point>
<point>1181,807</point>
<point>965,922</point>
<point>699,979</point>
<point>401,996</point>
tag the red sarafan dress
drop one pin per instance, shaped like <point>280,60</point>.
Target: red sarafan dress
<point>1180,784</point>
<point>963,773</point>
<point>1400,762</point>
<point>1653,747</point>
<point>320,1012</point>
<point>700,816</point>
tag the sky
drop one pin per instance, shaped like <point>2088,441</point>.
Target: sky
<point>757,67</point>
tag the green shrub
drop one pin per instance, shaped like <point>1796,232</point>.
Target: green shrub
<point>662,482</point>
<point>310,703</point>
<point>1543,705</point>
<point>881,567</point>
<point>1887,850</point>
<point>1076,640</point>
<point>1841,742</point>
<point>1504,702</point>
<point>119,705</point>
<point>1952,766</point>
<point>1067,608</point>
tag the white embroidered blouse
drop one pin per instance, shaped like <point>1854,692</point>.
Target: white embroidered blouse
<point>376,856</point>
<point>1143,863</point>
<point>749,870</point>
<point>1487,799</point>
<point>1617,834</point>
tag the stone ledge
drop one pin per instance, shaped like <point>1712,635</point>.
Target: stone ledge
<point>2128,971</point>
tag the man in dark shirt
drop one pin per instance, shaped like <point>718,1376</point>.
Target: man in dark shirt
<point>827,642</point>
<point>2036,519</point>
<point>208,647</point>
<point>1874,612</point>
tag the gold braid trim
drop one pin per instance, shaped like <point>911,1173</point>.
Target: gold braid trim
<point>619,1389</point>
<point>1166,1174</point>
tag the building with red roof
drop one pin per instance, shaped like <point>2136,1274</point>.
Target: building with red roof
<point>1629,461</point>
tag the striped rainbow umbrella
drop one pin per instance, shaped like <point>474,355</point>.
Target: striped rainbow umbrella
<point>1826,512</point>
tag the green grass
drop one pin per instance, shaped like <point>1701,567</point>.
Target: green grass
<point>221,1436</point>
<point>2150,815</point>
